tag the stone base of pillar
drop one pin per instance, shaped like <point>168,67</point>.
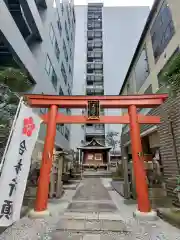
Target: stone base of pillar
<point>149,216</point>
<point>42,214</point>
<point>59,190</point>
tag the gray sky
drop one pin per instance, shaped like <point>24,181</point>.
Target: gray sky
<point>118,2</point>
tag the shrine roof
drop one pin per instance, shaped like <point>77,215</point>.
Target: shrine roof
<point>94,144</point>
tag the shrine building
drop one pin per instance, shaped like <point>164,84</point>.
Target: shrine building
<point>94,155</point>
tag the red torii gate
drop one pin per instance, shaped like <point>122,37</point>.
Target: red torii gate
<point>54,117</point>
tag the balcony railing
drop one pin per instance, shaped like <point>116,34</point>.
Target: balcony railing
<point>94,131</point>
<point>95,87</point>
<point>95,77</point>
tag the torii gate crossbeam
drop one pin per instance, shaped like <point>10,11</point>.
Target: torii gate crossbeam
<point>132,118</point>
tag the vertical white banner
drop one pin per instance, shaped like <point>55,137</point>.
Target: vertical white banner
<point>17,164</point>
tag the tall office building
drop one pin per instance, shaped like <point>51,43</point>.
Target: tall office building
<point>105,40</point>
<point>38,36</point>
<point>94,67</point>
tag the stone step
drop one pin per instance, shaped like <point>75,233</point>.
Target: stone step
<point>84,225</point>
<point>86,207</point>
<point>93,216</point>
<point>94,174</point>
<point>78,235</point>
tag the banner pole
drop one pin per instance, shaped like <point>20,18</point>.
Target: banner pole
<point>10,134</point>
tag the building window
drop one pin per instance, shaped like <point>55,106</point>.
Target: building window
<point>69,90</point>
<point>68,111</point>
<point>95,55</point>
<point>98,55</point>
<point>60,128</point>
<point>98,66</point>
<point>52,34</point>
<point>95,66</point>
<point>162,30</point>
<point>98,49</point>
<point>128,88</point>
<point>57,51</point>
<point>98,78</point>
<point>59,26</point>
<point>94,25</point>
<point>63,73</point>
<point>61,93</point>
<point>72,25</point>
<point>65,51</point>
<point>70,52</point>
<point>54,79</point>
<point>98,34</point>
<point>71,36</point>
<point>98,44</point>
<point>70,71</point>
<point>54,42</point>
<point>90,78</point>
<point>48,65</point>
<point>94,8</point>
<point>141,69</point>
<point>94,34</point>
<point>50,71</point>
<point>66,29</point>
<point>70,10</point>
<point>98,71</point>
<point>74,18</point>
<point>43,110</point>
<point>98,156</point>
<point>68,17</point>
<point>62,8</point>
<point>66,133</point>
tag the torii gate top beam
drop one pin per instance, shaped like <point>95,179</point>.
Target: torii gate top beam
<point>140,101</point>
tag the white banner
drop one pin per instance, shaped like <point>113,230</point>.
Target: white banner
<point>17,164</point>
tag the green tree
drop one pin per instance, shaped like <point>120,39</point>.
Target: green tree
<point>112,139</point>
<point>170,79</point>
<point>16,79</point>
<point>13,81</point>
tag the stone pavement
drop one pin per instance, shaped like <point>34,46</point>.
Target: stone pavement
<point>99,213</point>
<point>93,211</point>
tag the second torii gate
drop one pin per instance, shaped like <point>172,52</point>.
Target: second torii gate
<point>133,118</point>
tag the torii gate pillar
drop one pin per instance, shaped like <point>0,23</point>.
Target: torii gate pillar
<point>46,166</point>
<point>143,203</point>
